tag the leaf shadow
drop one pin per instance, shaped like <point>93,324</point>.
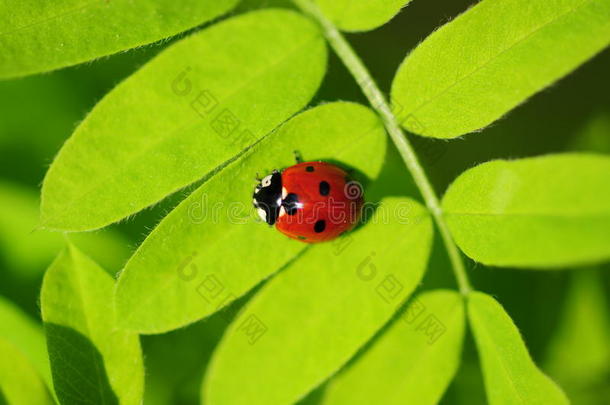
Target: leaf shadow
<point>391,182</point>
<point>77,367</point>
<point>315,397</point>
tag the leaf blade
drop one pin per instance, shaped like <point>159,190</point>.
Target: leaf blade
<point>38,37</point>
<point>91,359</point>
<point>198,246</point>
<point>413,361</point>
<point>26,335</point>
<point>323,307</point>
<point>20,384</point>
<point>361,15</point>
<point>206,111</point>
<point>543,212</point>
<point>490,59</point>
<point>510,375</point>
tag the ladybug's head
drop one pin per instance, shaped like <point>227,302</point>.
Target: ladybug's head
<point>267,198</point>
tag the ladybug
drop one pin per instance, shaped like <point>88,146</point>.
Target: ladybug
<point>309,201</point>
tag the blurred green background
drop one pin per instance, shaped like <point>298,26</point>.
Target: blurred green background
<point>563,315</point>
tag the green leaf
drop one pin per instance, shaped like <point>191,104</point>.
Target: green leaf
<point>40,36</point>
<point>467,387</point>
<point>490,59</point>
<point>511,377</point>
<point>313,317</point>
<point>26,335</point>
<point>92,361</point>
<point>366,15</point>
<point>20,384</point>
<point>412,362</point>
<point>197,105</point>
<point>193,264</point>
<point>543,212</point>
<point>28,251</point>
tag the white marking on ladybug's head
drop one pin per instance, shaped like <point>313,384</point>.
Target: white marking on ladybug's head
<point>266,182</point>
<point>282,211</point>
<point>284,192</point>
<point>262,214</point>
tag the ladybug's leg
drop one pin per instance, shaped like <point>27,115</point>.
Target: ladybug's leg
<point>258,177</point>
<point>297,156</point>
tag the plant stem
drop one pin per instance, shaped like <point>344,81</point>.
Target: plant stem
<point>370,89</point>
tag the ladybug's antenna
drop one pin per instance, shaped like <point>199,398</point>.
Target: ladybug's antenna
<point>297,156</point>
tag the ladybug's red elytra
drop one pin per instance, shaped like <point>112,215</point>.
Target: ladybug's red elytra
<point>310,201</point>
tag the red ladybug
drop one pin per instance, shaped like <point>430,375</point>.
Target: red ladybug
<point>310,201</point>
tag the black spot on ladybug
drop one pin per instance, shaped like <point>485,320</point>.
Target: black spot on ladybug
<point>324,188</point>
<point>309,168</point>
<point>319,226</point>
<point>291,203</point>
